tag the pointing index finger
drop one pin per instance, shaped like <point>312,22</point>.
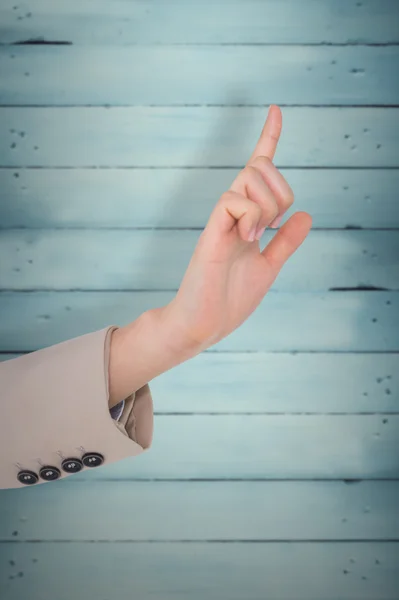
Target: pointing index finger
<point>267,143</point>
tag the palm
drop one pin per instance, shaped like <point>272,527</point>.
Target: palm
<point>225,282</point>
<point>247,281</point>
<point>238,285</point>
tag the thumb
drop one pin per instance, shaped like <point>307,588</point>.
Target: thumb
<point>287,240</point>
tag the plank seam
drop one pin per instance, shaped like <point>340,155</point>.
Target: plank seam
<point>162,290</point>
<point>283,352</point>
<point>347,481</point>
<point>44,42</point>
<point>197,167</point>
<point>185,167</point>
<point>291,352</point>
<point>284,414</point>
<point>110,106</point>
<point>210,541</point>
<point>124,228</point>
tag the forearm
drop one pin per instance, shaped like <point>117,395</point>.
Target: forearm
<point>141,351</point>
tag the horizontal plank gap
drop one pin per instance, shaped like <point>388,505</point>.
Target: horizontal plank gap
<point>179,105</point>
<point>197,167</point>
<point>184,167</point>
<point>271,413</point>
<point>66,228</point>
<point>221,541</point>
<point>291,352</point>
<point>235,479</point>
<point>42,42</point>
<point>145,290</point>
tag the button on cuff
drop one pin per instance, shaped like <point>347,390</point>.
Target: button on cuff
<point>72,465</point>
<point>27,477</point>
<point>49,473</point>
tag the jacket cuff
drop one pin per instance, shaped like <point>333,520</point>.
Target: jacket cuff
<point>57,408</point>
<point>137,418</point>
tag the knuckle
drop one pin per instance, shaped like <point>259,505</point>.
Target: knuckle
<point>276,212</point>
<point>256,213</point>
<point>290,196</point>
<point>262,161</point>
<point>250,171</point>
<point>226,196</point>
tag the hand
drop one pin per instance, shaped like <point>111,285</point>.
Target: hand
<point>228,276</point>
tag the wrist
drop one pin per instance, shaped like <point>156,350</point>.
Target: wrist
<point>142,350</point>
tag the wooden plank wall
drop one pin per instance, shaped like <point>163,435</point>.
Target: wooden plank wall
<point>274,472</point>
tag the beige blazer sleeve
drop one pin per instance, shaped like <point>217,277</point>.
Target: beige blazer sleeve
<point>54,413</point>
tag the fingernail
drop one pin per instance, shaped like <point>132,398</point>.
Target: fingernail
<point>260,233</point>
<point>276,222</point>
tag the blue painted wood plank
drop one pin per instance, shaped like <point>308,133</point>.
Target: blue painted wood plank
<point>236,382</point>
<point>264,447</point>
<point>130,260</point>
<point>213,510</point>
<point>96,198</point>
<point>195,136</point>
<point>194,571</point>
<point>176,75</point>
<point>339,321</point>
<point>237,21</point>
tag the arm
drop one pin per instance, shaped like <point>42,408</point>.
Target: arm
<point>58,399</point>
<point>143,350</point>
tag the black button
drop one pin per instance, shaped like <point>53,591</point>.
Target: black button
<point>49,473</point>
<point>72,465</point>
<point>27,477</point>
<point>93,459</point>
